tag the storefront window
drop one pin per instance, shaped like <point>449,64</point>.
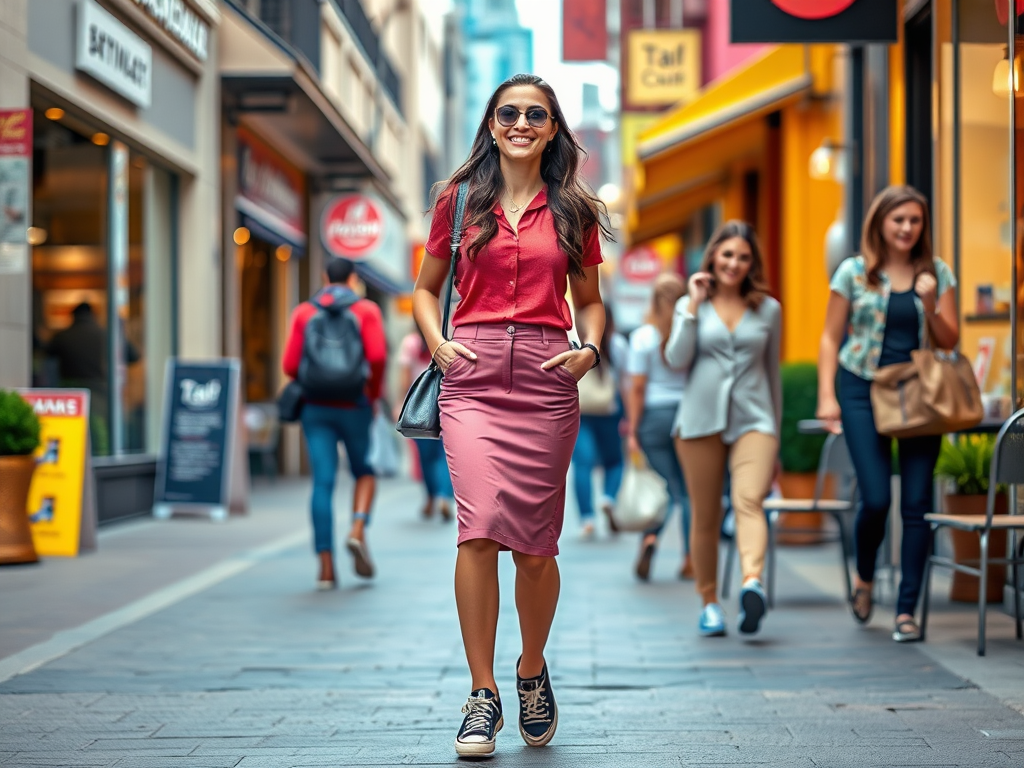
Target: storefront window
<point>983,231</point>
<point>73,281</point>
<point>69,265</point>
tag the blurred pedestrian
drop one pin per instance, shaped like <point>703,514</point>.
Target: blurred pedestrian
<point>885,303</point>
<point>654,394</point>
<point>337,351</point>
<point>414,359</point>
<point>599,443</point>
<point>510,419</point>
<point>727,336</point>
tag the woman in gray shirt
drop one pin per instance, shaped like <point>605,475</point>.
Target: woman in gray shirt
<point>726,336</point>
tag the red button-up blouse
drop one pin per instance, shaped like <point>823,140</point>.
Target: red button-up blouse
<point>518,278</point>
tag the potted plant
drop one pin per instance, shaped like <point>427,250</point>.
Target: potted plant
<point>19,438</point>
<point>799,453</point>
<point>964,462</point>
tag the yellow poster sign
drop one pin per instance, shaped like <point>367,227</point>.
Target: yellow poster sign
<point>57,499</point>
<point>664,66</point>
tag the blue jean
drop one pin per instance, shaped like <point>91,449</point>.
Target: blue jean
<point>654,434</point>
<point>434,468</point>
<point>324,427</point>
<point>598,444</point>
<point>872,460</point>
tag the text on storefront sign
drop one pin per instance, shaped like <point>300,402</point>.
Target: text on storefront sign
<point>15,132</point>
<point>113,54</point>
<point>178,19</point>
<point>664,66</point>
<point>352,226</point>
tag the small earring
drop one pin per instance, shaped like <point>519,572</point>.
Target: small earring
<point>494,141</point>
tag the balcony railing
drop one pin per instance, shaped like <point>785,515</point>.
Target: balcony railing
<point>298,23</point>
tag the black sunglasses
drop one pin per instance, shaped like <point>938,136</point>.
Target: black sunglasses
<point>508,116</point>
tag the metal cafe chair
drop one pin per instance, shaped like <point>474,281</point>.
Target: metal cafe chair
<point>834,462</point>
<point>1007,468</point>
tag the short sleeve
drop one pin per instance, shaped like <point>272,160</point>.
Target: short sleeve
<point>842,280</point>
<point>592,248</point>
<point>440,237</point>
<point>944,277</point>
<point>641,342</point>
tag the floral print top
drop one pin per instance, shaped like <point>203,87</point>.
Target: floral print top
<point>868,310</point>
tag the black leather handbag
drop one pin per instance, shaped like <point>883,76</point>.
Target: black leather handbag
<point>421,415</point>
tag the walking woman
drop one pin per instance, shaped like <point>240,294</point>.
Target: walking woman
<point>885,303</point>
<point>726,336</point>
<point>653,398</point>
<point>414,359</point>
<point>599,443</point>
<point>509,401</point>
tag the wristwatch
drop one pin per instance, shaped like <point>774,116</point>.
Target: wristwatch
<point>597,354</point>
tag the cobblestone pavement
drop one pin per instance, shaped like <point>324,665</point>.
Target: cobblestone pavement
<point>254,668</point>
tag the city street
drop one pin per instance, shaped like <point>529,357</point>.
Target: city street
<point>190,643</point>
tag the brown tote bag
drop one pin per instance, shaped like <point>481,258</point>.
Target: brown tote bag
<point>933,394</point>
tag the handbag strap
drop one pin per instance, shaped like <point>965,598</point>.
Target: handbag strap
<point>456,241</point>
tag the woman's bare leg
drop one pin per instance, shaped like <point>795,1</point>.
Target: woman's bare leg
<point>476,595</point>
<point>537,587</point>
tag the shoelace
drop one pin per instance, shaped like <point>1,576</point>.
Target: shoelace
<point>535,708</point>
<point>479,715</point>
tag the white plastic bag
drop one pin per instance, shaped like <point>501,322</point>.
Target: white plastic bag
<point>384,454</point>
<point>643,499</point>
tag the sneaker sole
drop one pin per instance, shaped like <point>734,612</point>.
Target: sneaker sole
<point>360,562</point>
<point>543,740</point>
<point>753,611</point>
<point>478,747</point>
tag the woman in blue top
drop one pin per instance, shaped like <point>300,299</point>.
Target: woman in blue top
<point>886,302</point>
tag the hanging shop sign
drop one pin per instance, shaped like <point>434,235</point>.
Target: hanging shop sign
<point>584,30</point>
<point>815,21</point>
<point>15,193</point>
<point>664,66</point>
<point>61,498</point>
<point>181,22</point>
<point>200,432</point>
<point>270,190</point>
<point>352,226</point>
<point>113,54</point>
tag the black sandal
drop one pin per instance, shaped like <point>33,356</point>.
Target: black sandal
<point>643,564</point>
<point>862,616</point>
<point>906,631</point>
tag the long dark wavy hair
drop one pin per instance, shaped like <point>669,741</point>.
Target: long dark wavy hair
<point>872,241</point>
<point>755,287</point>
<point>575,208</point>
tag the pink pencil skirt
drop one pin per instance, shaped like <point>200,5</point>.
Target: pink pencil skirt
<point>509,428</point>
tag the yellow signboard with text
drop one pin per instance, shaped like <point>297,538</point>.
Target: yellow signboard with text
<point>664,66</point>
<point>60,504</point>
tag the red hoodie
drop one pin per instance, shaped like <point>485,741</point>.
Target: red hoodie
<point>371,326</point>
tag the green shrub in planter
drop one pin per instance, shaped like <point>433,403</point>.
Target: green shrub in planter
<point>799,452</point>
<point>19,426</point>
<point>966,460</point>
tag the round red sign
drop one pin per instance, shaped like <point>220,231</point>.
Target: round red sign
<point>352,226</point>
<point>814,9</point>
<point>641,265</point>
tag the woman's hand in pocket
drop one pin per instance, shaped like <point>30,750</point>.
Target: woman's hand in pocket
<point>449,352</point>
<point>576,361</point>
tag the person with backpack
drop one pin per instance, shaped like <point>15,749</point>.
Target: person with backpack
<point>337,351</point>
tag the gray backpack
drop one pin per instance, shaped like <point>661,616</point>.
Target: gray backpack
<point>333,366</point>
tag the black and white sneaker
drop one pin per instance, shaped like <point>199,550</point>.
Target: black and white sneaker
<point>538,713</point>
<point>483,720</point>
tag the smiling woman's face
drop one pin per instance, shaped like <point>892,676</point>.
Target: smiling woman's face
<point>523,141</point>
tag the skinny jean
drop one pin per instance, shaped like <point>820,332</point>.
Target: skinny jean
<point>434,468</point>
<point>654,433</point>
<point>751,462</point>
<point>872,461</point>
<point>598,444</point>
<point>324,427</point>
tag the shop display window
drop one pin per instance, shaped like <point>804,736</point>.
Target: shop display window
<point>79,292</point>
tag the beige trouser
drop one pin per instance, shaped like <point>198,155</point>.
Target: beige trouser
<point>752,465</point>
